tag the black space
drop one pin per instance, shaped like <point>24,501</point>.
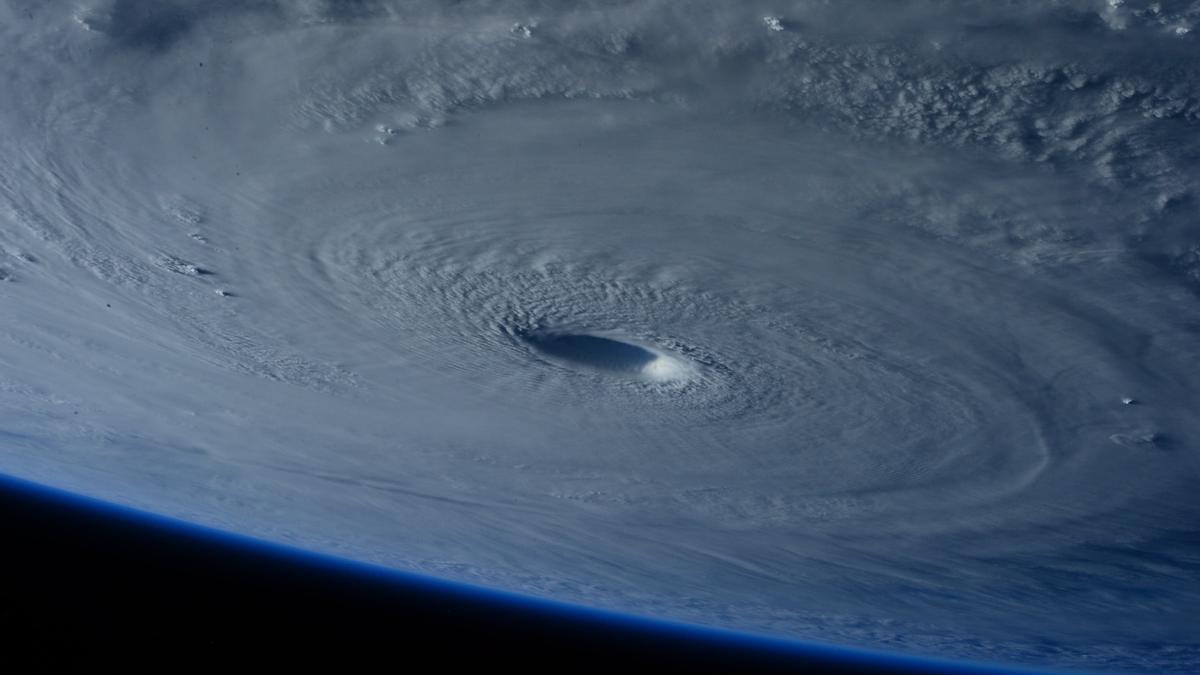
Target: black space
<point>85,587</point>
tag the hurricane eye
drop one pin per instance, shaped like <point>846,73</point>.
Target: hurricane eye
<point>604,354</point>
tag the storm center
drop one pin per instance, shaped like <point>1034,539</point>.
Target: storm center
<point>605,354</point>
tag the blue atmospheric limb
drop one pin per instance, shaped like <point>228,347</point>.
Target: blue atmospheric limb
<point>176,535</point>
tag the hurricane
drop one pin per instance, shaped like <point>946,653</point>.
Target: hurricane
<point>863,323</point>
